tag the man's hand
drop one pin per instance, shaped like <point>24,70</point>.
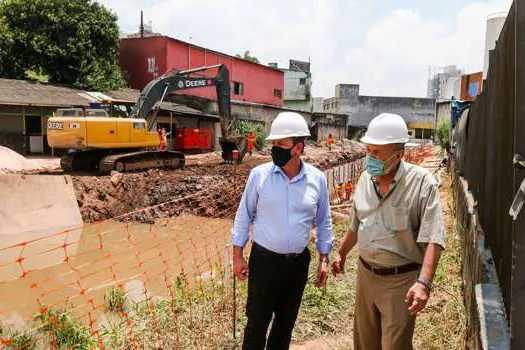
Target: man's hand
<point>417,298</point>
<point>322,273</point>
<point>338,266</point>
<point>240,267</point>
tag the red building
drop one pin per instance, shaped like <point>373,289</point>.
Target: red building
<point>471,86</point>
<point>143,59</point>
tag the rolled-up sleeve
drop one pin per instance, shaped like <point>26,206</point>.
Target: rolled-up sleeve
<point>432,227</point>
<point>323,220</point>
<point>353,220</point>
<point>245,212</point>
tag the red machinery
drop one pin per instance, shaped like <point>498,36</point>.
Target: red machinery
<point>193,139</point>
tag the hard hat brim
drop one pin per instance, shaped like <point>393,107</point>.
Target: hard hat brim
<point>283,136</point>
<point>371,141</point>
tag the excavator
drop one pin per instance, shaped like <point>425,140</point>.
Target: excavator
<point>95,140</point>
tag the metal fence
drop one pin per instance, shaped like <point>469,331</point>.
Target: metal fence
<point>490,136</point>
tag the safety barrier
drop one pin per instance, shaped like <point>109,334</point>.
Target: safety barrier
<point>146,279</point>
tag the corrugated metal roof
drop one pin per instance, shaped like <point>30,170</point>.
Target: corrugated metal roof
<point>182,109</point>
<point>125,94</point>
<point>28,93</point>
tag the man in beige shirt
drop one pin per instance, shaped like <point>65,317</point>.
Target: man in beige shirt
<point>397,220</point>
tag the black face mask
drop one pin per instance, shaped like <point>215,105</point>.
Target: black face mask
<point>281,156</point>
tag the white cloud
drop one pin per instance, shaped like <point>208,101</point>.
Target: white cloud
<point>398,51</point>
<point>348,41</point>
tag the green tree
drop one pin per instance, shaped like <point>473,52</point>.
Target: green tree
<point>443,134</point>
<point>70,41</point>
<point>248,57</point>
<point>243,127</point>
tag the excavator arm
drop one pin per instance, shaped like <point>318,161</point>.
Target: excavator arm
<point>155,92</point>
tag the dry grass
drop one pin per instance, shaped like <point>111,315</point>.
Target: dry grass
<point>201,316</point>
<point>326,318</point>
<point>443,324</point>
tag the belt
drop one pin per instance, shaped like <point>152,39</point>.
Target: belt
<point>391,270</point>
<point>263,250</point>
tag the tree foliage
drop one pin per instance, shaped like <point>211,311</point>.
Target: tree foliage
<point>71,41</point>
<point>443,133</point>
<point>248,57</point>
<point>243,127</point>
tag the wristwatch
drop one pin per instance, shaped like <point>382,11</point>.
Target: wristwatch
<point>425,282</point>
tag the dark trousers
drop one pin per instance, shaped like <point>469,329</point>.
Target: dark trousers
<point>275,287</point>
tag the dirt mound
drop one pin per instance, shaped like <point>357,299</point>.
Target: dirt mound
<point>11,162</point>
<point>206,187</point>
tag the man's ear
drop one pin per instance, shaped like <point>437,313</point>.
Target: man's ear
<point>298,148</point>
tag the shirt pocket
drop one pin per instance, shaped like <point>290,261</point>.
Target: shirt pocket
<point>396,218</point>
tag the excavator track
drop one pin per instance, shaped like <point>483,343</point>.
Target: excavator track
<point>66,162</point>
<point>141,160</point>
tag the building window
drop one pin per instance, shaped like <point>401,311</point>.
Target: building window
<point>238,88</point>
<point>302,81</point>
<point>278,93</point>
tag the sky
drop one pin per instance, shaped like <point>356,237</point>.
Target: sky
<point>386,46</point>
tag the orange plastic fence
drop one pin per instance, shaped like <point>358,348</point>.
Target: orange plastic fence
<point>146,279</point>
<point>123,282</point>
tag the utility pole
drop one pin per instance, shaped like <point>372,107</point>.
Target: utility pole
<point>141,24</point>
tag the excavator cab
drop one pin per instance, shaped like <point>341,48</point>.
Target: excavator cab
<point>118,137</point>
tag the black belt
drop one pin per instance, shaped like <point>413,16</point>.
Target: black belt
<point>263,250</point>
<point>391,270</point>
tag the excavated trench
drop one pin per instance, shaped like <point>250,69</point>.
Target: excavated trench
<point>206,187</point>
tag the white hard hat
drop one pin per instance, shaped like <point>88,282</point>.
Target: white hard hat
<point>385,129</point>
<point>288,124</point>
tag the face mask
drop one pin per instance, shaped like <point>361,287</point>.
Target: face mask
<point>376,167</point>
<point>281,156</point>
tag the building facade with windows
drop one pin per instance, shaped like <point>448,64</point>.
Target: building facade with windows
<point>297,85</point>
<point>418,113</point>
<point>146,58</point>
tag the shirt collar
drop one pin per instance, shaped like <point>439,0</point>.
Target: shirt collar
<point>302,172</point>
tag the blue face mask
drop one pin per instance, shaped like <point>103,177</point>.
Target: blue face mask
<point>376,167</point>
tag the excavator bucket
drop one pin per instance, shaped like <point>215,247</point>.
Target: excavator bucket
<point>229,145</point>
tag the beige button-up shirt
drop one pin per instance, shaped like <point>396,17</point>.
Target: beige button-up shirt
<point>392,231</point>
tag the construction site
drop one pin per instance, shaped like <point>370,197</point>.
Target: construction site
<point>119,187</point>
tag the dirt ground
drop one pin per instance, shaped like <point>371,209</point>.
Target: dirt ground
<point>442,324</point>
<point>206,187</point>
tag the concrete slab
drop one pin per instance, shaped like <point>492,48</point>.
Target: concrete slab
<point>39,221</point>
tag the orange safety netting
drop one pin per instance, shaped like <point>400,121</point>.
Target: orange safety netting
<point>139,280</point>
<point>146,279</point>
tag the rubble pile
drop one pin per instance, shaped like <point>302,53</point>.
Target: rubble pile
<point>10,161</point>
<point>206,187</point>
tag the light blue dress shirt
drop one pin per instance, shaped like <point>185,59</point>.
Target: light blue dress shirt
<point>282,211</point>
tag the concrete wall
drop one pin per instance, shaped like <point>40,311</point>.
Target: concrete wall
<point>411,109</point>
<point>293,89</point>
<point>304,105</point>
<point>361,109</point>
<point>325,124</point>
<point>317,104</point>
<point>443,112</point>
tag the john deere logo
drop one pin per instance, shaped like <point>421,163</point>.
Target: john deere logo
<point>180,84</point>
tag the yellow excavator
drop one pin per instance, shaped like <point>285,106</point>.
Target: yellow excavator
<point>95,140</point>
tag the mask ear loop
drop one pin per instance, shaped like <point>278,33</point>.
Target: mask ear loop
<point>388,160</point>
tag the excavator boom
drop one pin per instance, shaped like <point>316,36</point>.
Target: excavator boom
<point>154,93</point>
<point>126,143</point>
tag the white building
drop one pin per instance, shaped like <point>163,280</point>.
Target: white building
<point>297,85</point>
<point>495,24</point>
<point>444,83</point>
